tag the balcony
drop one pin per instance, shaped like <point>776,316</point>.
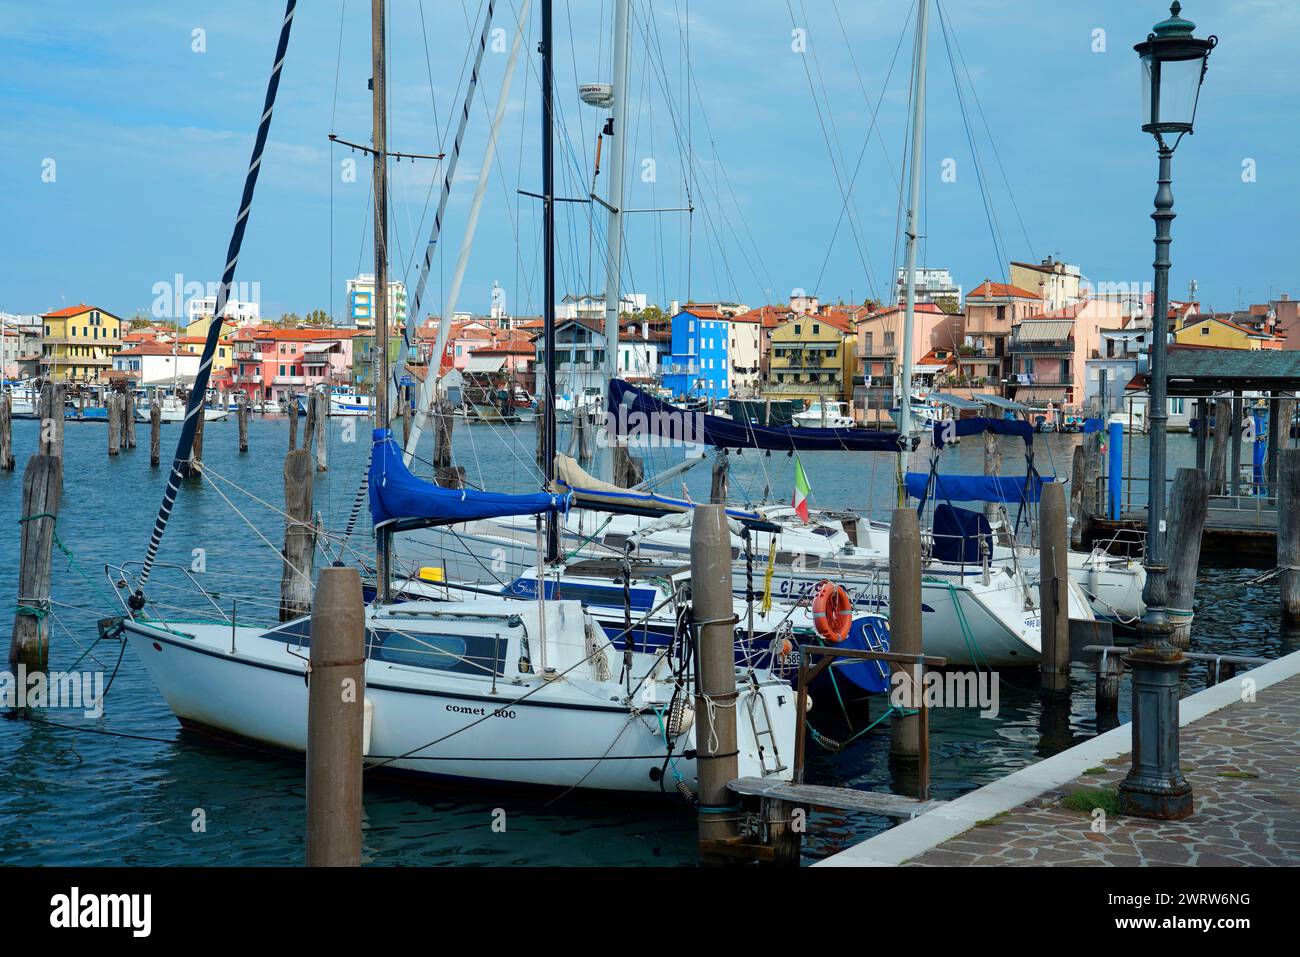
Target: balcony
<point>289,380</point>
<point>251,378</point>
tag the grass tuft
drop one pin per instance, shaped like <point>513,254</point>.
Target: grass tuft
<point>1089,799</point>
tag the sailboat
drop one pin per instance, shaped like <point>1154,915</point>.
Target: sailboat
<point>489,690</point>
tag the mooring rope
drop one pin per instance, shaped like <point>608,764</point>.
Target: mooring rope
<point>194,406</point>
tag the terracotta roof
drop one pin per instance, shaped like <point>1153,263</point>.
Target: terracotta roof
<point>1000,290</point>
<point>154,349</point>
<point>73,311</point>
<point>293,335</point>
<point>703,312</point>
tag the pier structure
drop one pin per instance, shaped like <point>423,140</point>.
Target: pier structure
<point>1240,743</point>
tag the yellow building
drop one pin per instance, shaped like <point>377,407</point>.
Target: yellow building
<point>810,358</point>
<point>80,342</point>
<point>1222,334</point>
<point>196,334</point>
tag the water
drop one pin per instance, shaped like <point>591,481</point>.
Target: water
<point>131,788</point>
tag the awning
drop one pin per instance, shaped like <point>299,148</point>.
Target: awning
<point>1000,403</point>
<point>485,364</point>
<point>958,402</point>
<point>315,347</point>
<point>1042,393</point>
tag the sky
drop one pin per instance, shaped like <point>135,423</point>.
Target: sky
<point>127,129</point>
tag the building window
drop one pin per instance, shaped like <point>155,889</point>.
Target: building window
<point>1205,330</point>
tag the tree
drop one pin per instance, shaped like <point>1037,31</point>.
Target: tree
<point>317,317</point>
<point>948,304</point>
<point>289,320</point>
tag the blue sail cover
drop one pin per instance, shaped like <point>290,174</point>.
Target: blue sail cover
<point>959,427</point>
<point>976,488</point>
<point>635,413</point>
<point>396,494</point>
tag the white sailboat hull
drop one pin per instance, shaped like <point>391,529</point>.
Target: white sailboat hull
<point>566,732</point>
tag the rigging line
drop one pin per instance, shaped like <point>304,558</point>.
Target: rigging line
<point>992,142</point>
<point>195,403</point>
<point>999,248</point>
<point>412,321</point>
<point>848,207</point>
<point>857,169</point>
<point>826,137</point>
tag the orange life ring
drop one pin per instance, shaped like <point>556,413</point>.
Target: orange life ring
<point>832,612</point>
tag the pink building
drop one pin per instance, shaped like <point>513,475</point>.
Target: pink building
<point>272,363</point>
<point>880,340</point>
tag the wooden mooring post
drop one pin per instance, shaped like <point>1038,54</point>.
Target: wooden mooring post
<point>29,645</point>
<point>718,487</point>
<point>128,420</point>
<point>1219,449</point>
<point>906,752</point>
<point>6,433</point>
<point>628,468</point>
<point>293,425</point>
<point>299,536</point>
<point>1053,590</point>
<point>1189,500</point>
<point>242,413</point>
<point>155,431</point>
<point>713,614</point>
<point>322,402</point>
<point>445,473</point>
<point>336,720</point>
<point>1288,536</point>
<point>114,409</point>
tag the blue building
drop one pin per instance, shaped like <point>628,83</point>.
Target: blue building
<point>699,366</point>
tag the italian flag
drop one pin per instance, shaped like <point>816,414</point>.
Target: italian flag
<point>801,490</point>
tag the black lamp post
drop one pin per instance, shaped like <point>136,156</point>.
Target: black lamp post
<point>1173,66</point>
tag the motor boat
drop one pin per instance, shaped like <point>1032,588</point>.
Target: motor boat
<point>824,415</point>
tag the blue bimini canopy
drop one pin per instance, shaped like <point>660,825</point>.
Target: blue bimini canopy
<point>949,428</point>
<point>976,488</point>
<point>636,413</point>
<point>397,496</point>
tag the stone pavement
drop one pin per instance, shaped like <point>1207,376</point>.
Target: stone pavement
<point>1243,762</point>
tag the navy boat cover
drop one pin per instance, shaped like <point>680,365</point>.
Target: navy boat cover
<point>636,413</point>
<point>397,495</point>
<point>957,533</point>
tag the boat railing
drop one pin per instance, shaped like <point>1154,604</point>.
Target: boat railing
<point>126,584</point>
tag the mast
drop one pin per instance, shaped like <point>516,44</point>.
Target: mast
<point>913,203</point>
<point>378,83</point>
<point>614,245</point>
<point>194,406</point>
<point>548,284</point>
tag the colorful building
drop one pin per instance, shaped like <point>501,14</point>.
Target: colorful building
<point>1221,333</point>
<point>811,359</point>
<point>992,309</point>
<point>79,343</point>
<point>272,363</point>
<point>699,365</point>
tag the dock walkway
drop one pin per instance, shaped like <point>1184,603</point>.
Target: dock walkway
<point>1242,758</point>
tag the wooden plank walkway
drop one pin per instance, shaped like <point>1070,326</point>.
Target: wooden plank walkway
<point>840,799</point>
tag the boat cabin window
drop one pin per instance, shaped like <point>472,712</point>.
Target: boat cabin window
<point>463,654</point>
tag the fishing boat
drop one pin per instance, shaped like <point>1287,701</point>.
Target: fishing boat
<point>342,401</point>
<point>511,690</point>
<point>824,414</point>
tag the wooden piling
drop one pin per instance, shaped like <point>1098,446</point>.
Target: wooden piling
<point>114,409</point>
<point>128,420</point>
<point>445,473</point>
<point>299,536</point>
<point>1189,500</point>
<point>540,429</point>
<point>1288,535</point>
<point>51,419</point>
<point>1109,670</point>
<point>241,413</point>
<point>1053,590</point>
<point>1219,450</point>
<point>715,693</point>
<point>6,433</point>
<point>335,719</point>
<point>42,484</point>
<point>1076,496</point>
<point>196,453</point>
<point>628,468</point>
<point>718,488</point>
<point>905,634</point>
<point>322,435</point>
<point>293,425</point>
<point>1234,452</point>
<point>155,431</point>
<point>992,467</point>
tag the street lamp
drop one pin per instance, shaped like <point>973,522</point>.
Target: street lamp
<point>1173,66</point>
